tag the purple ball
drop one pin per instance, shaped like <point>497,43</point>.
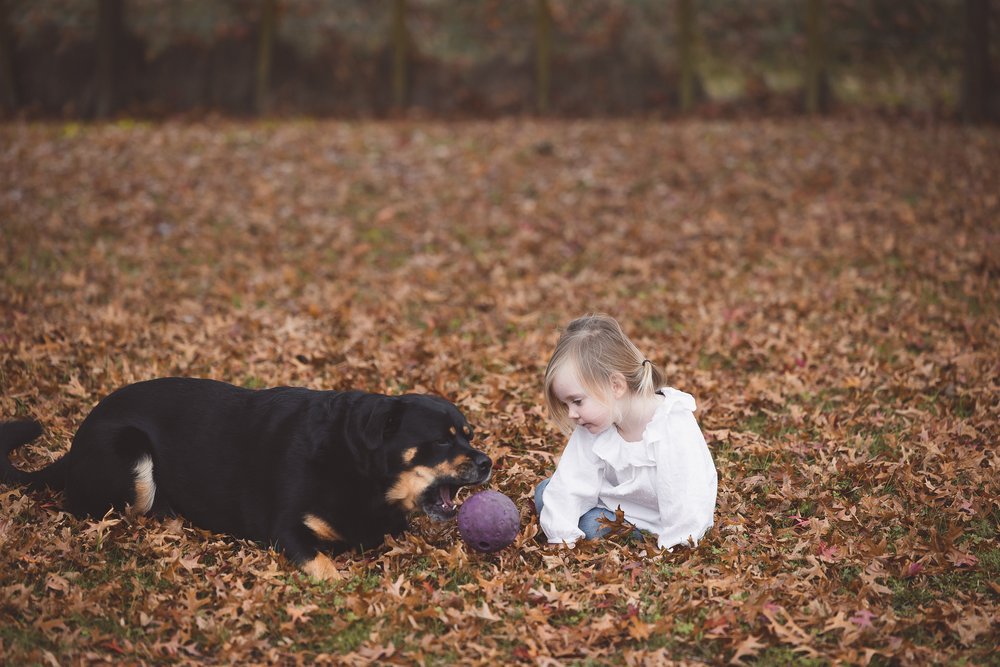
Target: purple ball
<point>488,521</point>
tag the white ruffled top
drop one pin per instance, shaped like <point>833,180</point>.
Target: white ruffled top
<point>665,484</point>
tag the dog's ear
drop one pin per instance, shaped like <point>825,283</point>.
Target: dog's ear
<point>377,422</point>
<point>383,420</point>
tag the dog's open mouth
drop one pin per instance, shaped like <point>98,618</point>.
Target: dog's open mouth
<point>447,495</point>
<point>439,501</point>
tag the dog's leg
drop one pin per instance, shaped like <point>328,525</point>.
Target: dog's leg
<point>111,468</point>
<point>322,567</point>
<point>145,486</point>
<point>303,541</point>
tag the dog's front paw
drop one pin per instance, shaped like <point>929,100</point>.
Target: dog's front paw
<point>321,567</point>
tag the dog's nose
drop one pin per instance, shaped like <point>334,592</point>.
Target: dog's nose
<point>483,464</point>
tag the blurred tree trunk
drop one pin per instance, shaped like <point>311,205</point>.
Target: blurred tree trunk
<point>543,55</point>
<point>400,54</point>
<point>265,51</point>
<point>8,89</point>
<point>110,38</point>
<point>817,78</point>
<point>976,71</point>
<point>685,55</point>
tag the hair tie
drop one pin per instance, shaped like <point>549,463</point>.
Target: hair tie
<point>646,361</point>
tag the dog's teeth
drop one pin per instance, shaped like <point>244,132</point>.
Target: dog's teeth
<point>445,493</point>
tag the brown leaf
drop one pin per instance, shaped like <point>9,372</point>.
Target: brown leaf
<point>748,648</point>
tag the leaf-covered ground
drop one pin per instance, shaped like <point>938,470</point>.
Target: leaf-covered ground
<point>828,291</point>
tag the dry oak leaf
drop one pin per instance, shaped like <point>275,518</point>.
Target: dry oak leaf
<point>749,647</point>
<point>57,582</point>
<point>484,613</point>
<point>789,631</point>
<point>960,559</point>
<point>969,627</point>
<point>640,630</point>
<point>863,618</point>
<point>299,613</point>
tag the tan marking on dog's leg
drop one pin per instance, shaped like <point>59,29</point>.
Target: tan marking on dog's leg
<point>321,528</point>
<point>321,567</point>
<point>410,485</point>
<point>145,487</point>
<point>409,454</point>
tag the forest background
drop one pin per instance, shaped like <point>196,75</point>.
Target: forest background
<point>484,58</point>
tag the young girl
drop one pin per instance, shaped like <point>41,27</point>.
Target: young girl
<point>634,444</point>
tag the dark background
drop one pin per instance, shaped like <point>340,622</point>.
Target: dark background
<point>480,58</point>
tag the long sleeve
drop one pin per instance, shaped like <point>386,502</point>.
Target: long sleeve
<point>573,491</point>
<point>686,481</point>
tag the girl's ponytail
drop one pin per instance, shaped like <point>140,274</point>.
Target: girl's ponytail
<point>650,378</point>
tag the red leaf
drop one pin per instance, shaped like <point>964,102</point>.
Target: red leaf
<point>827,552</point>
<point>863,618</point>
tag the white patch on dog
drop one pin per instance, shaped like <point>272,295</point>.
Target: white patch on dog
<point>145,487</point>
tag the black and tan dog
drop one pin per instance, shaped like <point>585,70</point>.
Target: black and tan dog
<point>312,472</point>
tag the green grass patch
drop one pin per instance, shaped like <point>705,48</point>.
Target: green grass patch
<point>253,382</point>
<point>715,361</point>
<point>908,595</point>
<point>340,641</point>
<point>26,638</point>
<point>780,656</point>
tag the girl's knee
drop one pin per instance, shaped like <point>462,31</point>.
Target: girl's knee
<point>590,524</point>
<point>592,528</point>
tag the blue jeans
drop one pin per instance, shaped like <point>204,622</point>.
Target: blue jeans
<point>588,522</point>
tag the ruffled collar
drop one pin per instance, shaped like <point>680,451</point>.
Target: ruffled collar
<point>612,448</point>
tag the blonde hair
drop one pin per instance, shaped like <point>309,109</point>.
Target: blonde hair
<point>595,348</point>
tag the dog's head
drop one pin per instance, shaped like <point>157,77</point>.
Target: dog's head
<point>422,444</point>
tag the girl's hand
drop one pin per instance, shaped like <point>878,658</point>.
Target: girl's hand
<point>554,546</point>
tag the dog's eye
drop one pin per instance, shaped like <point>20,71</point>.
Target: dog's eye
<point>442,446</point>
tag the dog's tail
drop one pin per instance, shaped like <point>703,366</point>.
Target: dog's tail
<point>12,436</point>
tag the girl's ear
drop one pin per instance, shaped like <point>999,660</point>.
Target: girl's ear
<point>619,386</point>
